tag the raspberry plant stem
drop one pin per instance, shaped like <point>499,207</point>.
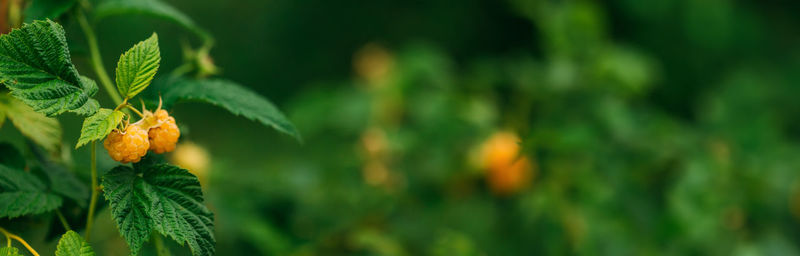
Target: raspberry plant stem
<point>108,85</point>
<point>10,236</point>
<point>63,220</point>
<point>181,70</point>
<point>97,59</point>
<point>95,189</point>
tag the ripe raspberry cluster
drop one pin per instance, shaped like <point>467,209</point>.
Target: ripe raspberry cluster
<point>157,132</point>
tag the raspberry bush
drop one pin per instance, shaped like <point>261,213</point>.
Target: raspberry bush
<point>148,197</point>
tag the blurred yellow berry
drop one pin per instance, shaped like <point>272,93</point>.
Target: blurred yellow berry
<point>500,150</point>
<point>194,158</point>
<point>373,63</point>
<point>512,178</point>
<point>374,142</point>
<point>507,171</point>
<point>375,173</point>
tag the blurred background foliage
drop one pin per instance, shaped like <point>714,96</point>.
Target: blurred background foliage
<point>480,127</point>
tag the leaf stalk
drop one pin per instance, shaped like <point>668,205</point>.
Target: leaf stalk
<point>10,236</point>
<point>129,106</point>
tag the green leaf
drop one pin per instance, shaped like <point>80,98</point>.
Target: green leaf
<point>9,251</point>
<point>162,197</point>
<point>125,192</point>
<point>66,184</point>
<point>72,244</point>
<point>137,66</point>
<point>47,9</point>
<point>230,96</point>
<point>99,125</point>
<point>177,208</point>
<point>35,64</point>
<point>61,180</point>
<point>22,193</point>
<point>91,106</point>
<point>42,130</point>
<point>154,8</point>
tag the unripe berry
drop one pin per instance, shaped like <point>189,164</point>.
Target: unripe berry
<point>164,136</point>
<point>128,146</point>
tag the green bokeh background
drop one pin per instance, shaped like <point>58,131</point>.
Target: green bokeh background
<point>661,127</point>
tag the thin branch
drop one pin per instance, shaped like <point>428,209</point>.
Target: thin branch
<point>95,189</point>
<point>62,219</point>
<point>20,240</point>
<point>97,59</point>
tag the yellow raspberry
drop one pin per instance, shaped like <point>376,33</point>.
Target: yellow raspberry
<point>128,146</point>
<point>161,115</point>
<point>164,137</point>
